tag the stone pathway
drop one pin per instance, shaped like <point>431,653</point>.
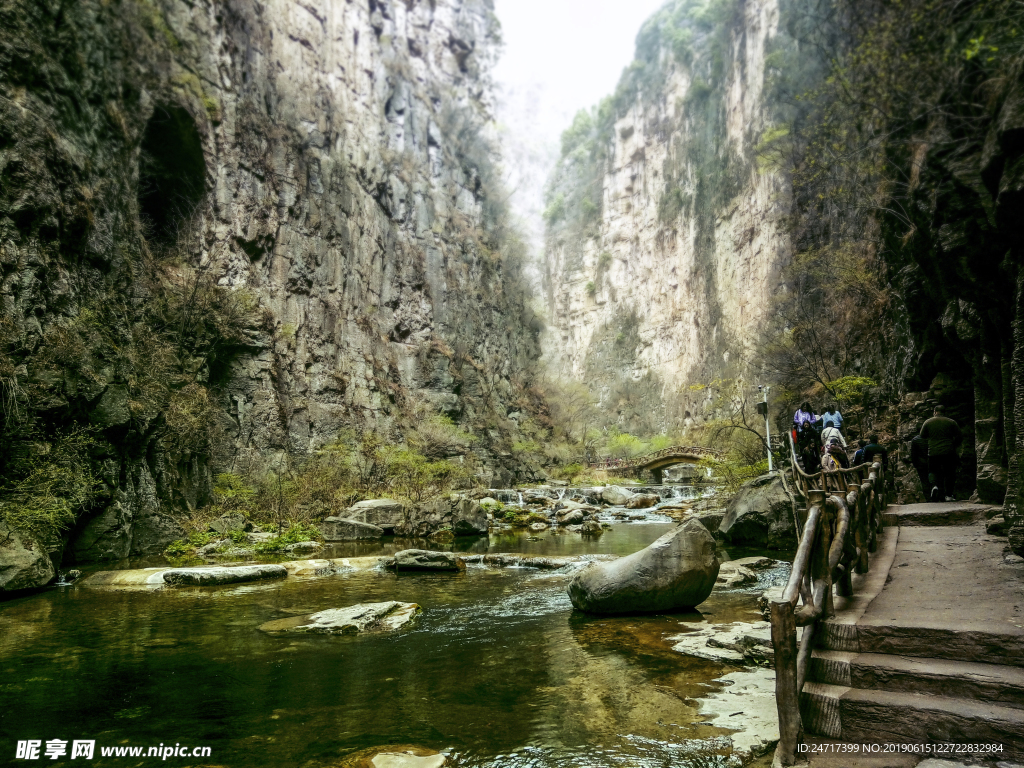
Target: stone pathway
<point>930,649</point>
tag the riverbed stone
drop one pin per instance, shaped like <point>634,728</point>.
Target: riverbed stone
<point>345,529</point>
<point>570,517</point>
<point>354,619</point>
<point>591,528</point>
<point>427,560</point>
<point>677,571</point>
<point>761,514</point>
<point>642,501</point>
<point>24,564</point>
<point>205,577</point>
<point>616,495</point>
<point>732,575</point>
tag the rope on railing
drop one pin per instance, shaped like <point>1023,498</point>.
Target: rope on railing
<point>844,516</point>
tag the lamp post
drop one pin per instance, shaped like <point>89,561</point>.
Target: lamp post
<point>762,408</point>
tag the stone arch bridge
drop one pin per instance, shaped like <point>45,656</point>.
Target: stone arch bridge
<point>657,461</point>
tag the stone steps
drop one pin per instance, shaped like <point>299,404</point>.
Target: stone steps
<point>994,683</point>
<point>968,644</point>
<point>930,649</point>
<point>938,513</point>
<point>869,716</point>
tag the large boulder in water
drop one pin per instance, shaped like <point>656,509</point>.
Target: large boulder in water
<point>427,560</point>
<point>642,501</point>
<point>677,571</point>
<point>616,495</point>
<point>761,514</point>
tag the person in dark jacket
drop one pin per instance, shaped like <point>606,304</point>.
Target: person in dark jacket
<point>809,445</point>
<point>874,448</point>
<point>858,457</point>
<point>944,437</point>
<point>919,460</point>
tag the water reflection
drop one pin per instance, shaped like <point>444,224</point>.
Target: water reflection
<point>499,670</point>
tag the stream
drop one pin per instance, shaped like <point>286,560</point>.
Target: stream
<point>498,671</point>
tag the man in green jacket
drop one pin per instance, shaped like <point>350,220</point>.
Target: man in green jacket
<point>943,437</point>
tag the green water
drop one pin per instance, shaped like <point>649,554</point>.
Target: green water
<point>499,671</point>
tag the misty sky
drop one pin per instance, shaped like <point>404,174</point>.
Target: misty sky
<point>563,55</point>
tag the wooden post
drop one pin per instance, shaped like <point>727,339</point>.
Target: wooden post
<point>787,697</point>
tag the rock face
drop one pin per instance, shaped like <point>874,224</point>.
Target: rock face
<point>323,167</point>
<point>665,240</point>
<point>677,571</point>
<point>342,529</point>
<point>463,517</point>
<point>206,577</point>
<point>23,564</point>
<point>760,514</point>
<point>383,513</point>
<point>355,619</point>
<point>425,560</point>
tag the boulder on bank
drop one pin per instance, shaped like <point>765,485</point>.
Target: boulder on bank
<point>346,529</point>
<point>363,617</point>
<point>462,516</point>
<point>23,563</point>
<point>426,560</point>
<point>677,571</point>
<point>233,521</point>
<point>761,514</point>
<point>616,495</point>
<point>642,501</point>
<point>207,577</point>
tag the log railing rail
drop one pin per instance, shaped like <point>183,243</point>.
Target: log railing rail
<point>836,537</point>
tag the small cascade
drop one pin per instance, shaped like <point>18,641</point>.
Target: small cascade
<point>508,496</point>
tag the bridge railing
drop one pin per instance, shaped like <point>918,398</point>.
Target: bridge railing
<point>840,529</point>
<point>642,461</point>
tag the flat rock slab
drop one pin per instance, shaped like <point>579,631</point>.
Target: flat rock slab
<point>427,560</point>
<point>546,563</point>
<point>739,642</point>
<point>363,617</point>
<point>746,704</point>
<point>207,577</point>
<point>407,760</point>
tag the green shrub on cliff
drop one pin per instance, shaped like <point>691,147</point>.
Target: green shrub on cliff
<point>47,483</point>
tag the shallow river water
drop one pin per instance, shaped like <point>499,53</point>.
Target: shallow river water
<point>499,670</point>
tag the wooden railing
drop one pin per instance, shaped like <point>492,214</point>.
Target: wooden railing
<point>643,461</point>
<point>844,517</point>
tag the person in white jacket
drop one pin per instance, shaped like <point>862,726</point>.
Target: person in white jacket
<point>832,432</point>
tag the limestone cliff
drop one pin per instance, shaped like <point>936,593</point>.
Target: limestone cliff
<point>665,233</point>
<point>324,162</point>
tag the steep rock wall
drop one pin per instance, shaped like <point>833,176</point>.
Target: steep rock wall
<point>659,274</point>
<point>326,163</point>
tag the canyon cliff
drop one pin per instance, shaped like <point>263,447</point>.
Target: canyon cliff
<point>666,234</point>
<point>314,176</point>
